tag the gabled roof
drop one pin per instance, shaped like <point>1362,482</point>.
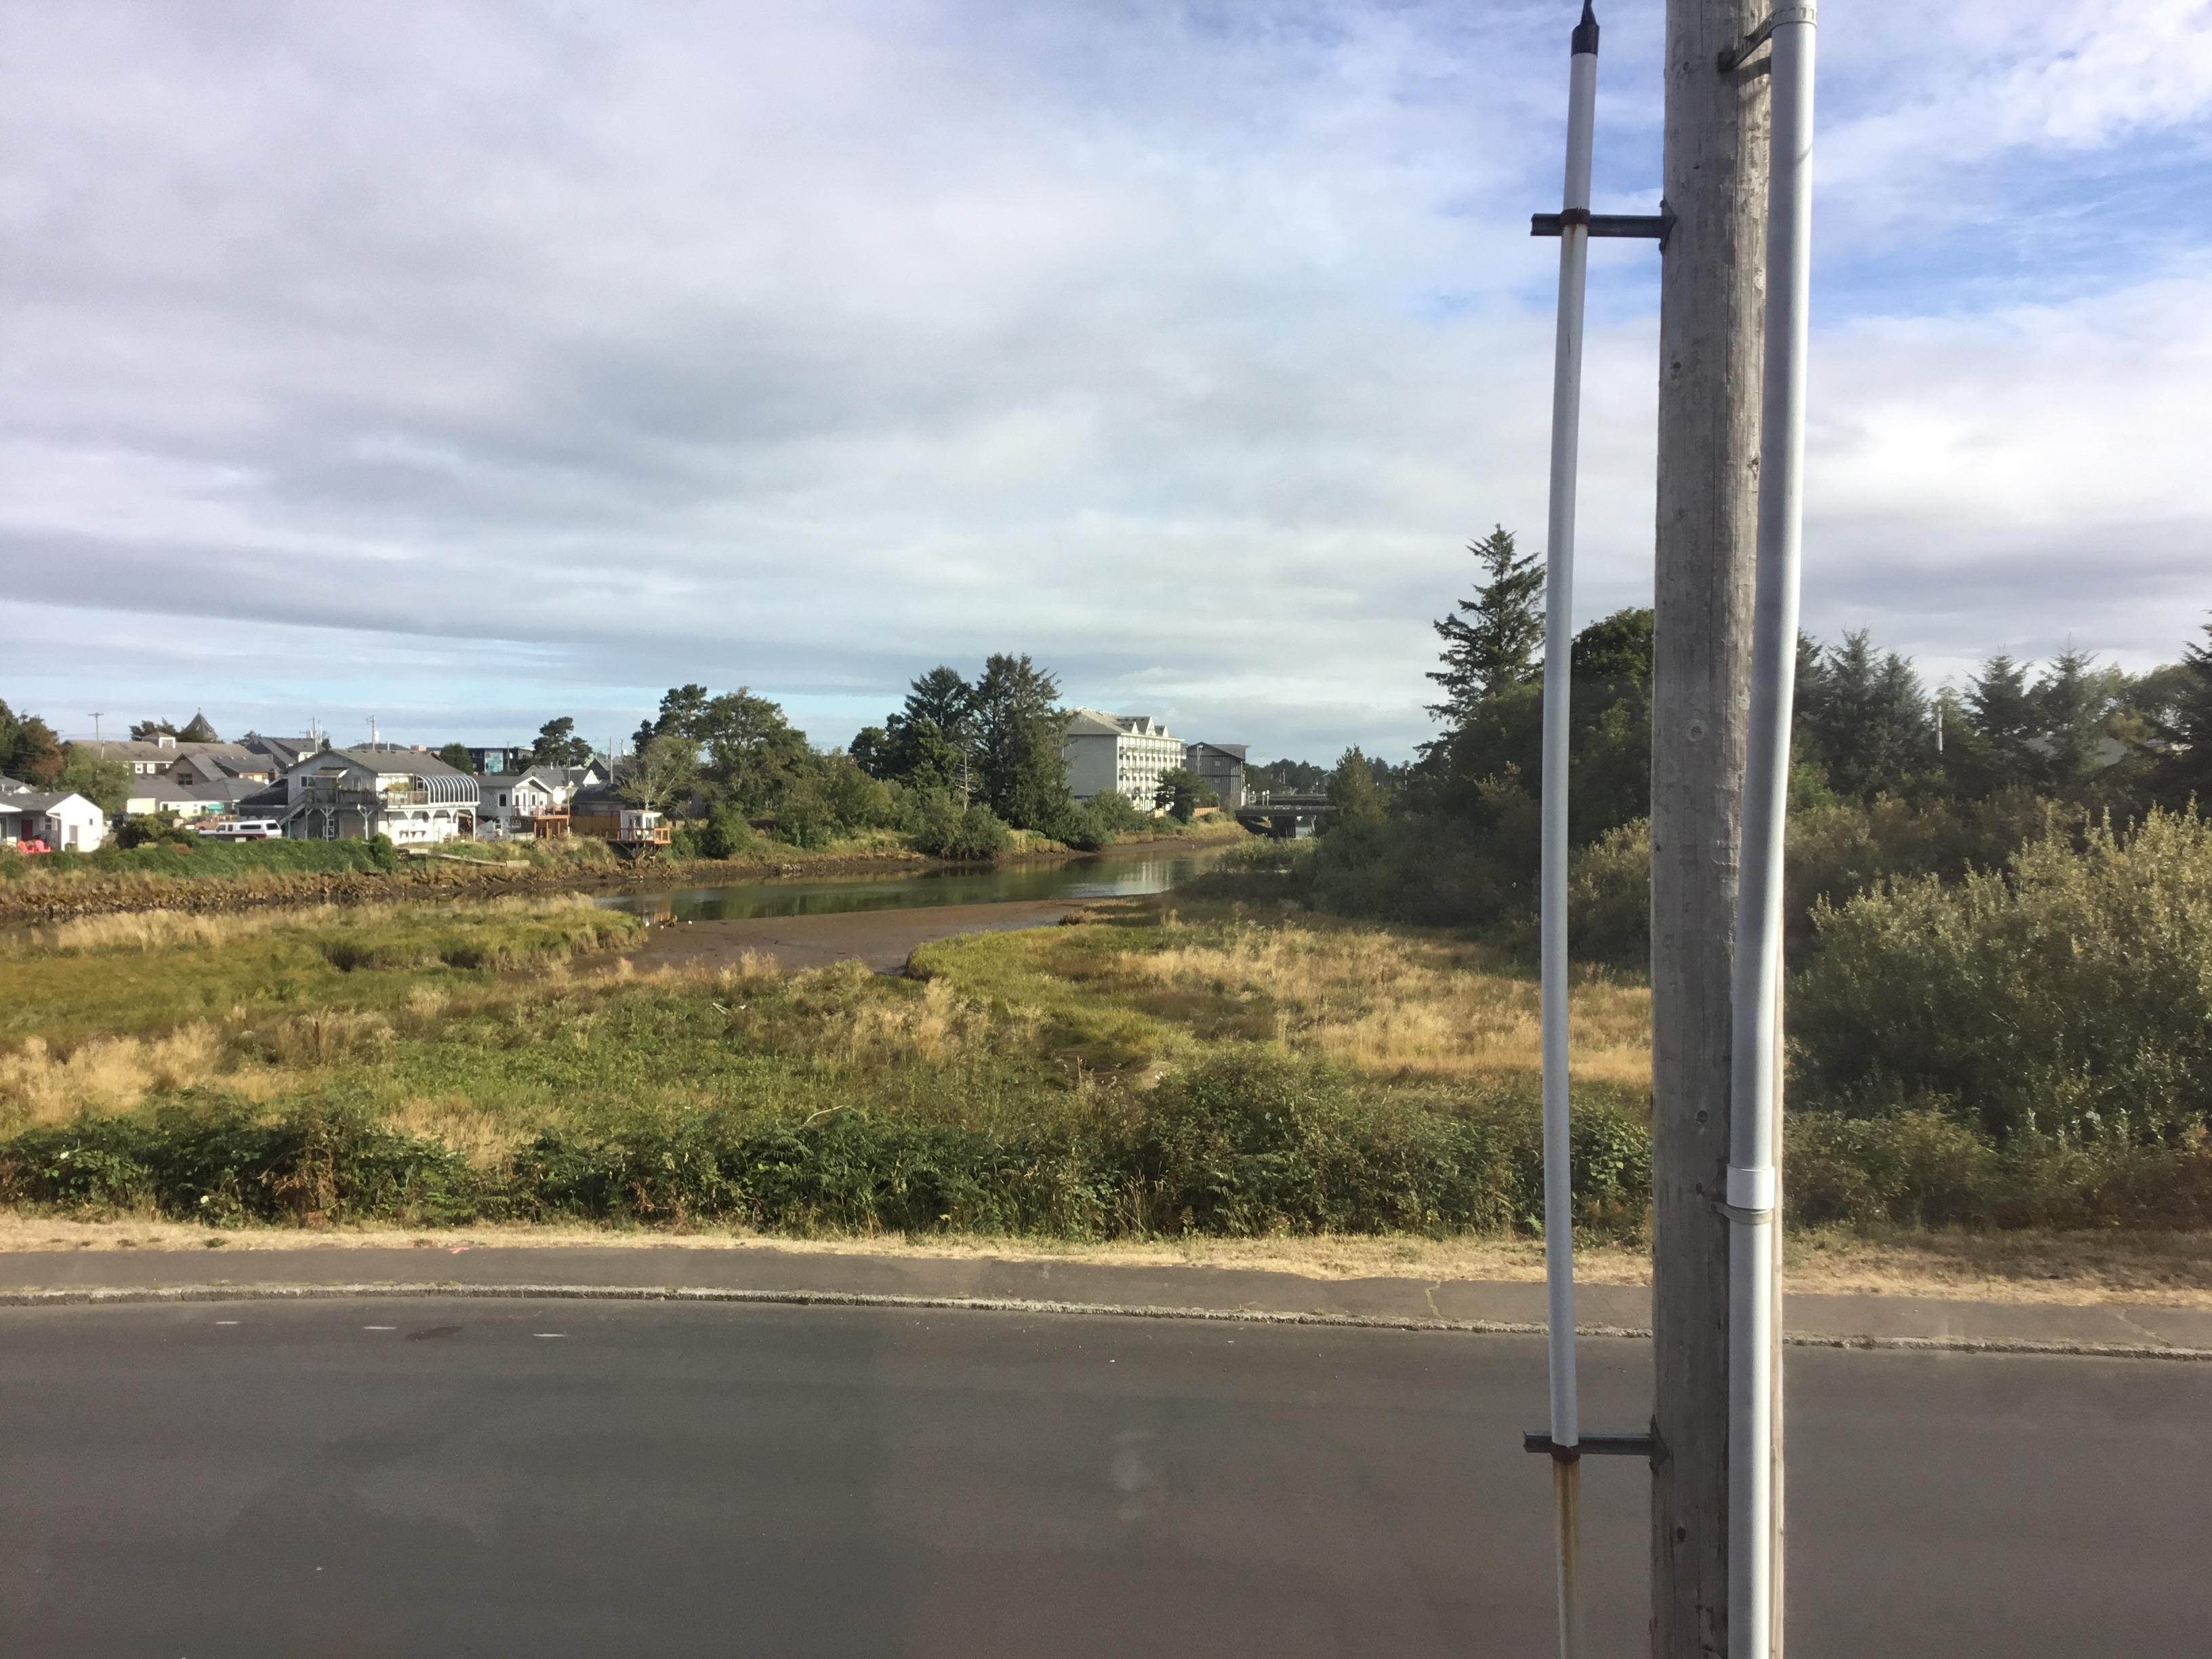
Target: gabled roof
<point>41,803</point>
<point>13,785</point>
<point>392,759</point>
<point>1089,723</point>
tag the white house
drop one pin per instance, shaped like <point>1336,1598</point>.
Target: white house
<point>511,802</point>
<point>60,821</point>
<point>378,789</point>
<point>1126,753</point>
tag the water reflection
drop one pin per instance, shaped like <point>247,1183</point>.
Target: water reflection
<point>1106,876</point>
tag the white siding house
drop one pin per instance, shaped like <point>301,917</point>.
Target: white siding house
<point>1126,753</point>
<point>378,789</point>
<point>511,802</point>
<point>58,821</point>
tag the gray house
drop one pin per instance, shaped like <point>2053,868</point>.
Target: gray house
<point>378,789</point>
<point>1221,767</point>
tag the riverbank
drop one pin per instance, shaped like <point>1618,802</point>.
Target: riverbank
<point>30,894</point>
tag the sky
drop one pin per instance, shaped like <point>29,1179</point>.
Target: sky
<point>459,365</point>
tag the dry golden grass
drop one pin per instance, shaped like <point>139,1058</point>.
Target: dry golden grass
<point>108,1075</point>
<point>482,1137</point>
<point>149,930</point>
<point>931,1027</point>
<point>2066,1269</point>
<point>1409,1004</point>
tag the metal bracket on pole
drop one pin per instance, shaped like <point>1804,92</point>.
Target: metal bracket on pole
<point>1737,54</point>
<point>1591,1445</point>
<point>1651,227</point>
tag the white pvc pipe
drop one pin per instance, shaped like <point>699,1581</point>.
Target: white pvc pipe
<point>1753,1124</point>
<point>1559,644</point>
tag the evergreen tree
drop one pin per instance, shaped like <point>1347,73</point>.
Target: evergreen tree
<point>1017,728</point>
<point>2072,704</point>
<point>1353,792</point>
<point>1869,721</point>
<point>1492,642</point>
<point>945,699</point>
<point>2182,771</point>
<point>558,744</point>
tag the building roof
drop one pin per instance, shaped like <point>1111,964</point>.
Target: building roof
<point>1089,723</point>
<point>40,803</point>
<point>13,785</point>
<point>392,758</point>
<point>1234,749</point>
<point>223,789</point>
<point>286,750</point>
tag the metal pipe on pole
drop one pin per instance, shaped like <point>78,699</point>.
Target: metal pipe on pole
<point>1755,1051</point>
<point>1558,640</point>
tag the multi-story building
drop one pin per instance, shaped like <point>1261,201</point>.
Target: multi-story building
<point>378,789</point>
<point>1221,767</point>
<point>1125,753</point>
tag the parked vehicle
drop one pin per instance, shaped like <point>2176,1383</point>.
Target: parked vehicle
<point>241,830</point>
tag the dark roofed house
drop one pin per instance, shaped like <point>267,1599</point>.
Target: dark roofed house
<point>283,751</point>
<point>378,789</point>
<point>1221,767</point>
<point>599,810</point>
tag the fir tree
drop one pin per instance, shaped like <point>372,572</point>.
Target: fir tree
<point>1492,642</point>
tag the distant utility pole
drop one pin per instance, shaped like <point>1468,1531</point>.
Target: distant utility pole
<point>97,715</point>
<point>1711,308</point>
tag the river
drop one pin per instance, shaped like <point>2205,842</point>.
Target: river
<point>1108,875</point>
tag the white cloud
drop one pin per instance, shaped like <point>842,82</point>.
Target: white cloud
<point>807,347</point>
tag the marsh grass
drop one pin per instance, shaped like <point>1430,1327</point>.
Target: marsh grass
<point>1146,978</point>
<point>1161,1071</point>
<point>102,1011</point>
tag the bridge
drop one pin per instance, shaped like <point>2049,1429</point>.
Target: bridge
<point>1286,815</point>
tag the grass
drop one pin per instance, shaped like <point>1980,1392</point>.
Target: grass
<point>1388,1002</point>
<point>102,1011</point>
<point>1165,1071</point>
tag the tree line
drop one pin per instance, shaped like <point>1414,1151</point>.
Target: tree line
<point>1453,837</point>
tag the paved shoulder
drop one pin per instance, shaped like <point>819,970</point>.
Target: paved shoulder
<point>768,1273</point>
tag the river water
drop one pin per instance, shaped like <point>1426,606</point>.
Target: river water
<point>1107,876</point>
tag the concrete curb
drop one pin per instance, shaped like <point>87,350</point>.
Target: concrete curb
<point>126,1296</point>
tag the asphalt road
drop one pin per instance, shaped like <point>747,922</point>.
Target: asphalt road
<point>556,1478</point>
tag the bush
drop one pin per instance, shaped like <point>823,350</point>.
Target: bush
<point>942,828</point>
<point>151,829</point>
<point>2070,995</point>
<point>722,834</point>
<point>324,1161</point>
<point>1609,899</point>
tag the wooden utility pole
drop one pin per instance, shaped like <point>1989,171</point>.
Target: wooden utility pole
<point>1711,290</point>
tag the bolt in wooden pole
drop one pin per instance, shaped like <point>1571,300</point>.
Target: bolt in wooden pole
<point>1711,312</point>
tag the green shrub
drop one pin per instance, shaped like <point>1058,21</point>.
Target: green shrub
<point>209,1161</point>
<point>1609,898</point>
<point>2069,996</point>
<point>939,826</point>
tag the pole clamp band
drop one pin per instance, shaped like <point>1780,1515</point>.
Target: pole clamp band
<point>1751,1189</point>
<point>1741,52</point>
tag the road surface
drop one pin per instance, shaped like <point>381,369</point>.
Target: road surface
<point>423,1476</point>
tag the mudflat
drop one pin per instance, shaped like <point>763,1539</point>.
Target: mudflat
<point>884,939</point>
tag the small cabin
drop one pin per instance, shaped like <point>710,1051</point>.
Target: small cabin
<point>605,815</point>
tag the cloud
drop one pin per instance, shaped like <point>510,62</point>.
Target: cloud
<point>1182,347</point>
